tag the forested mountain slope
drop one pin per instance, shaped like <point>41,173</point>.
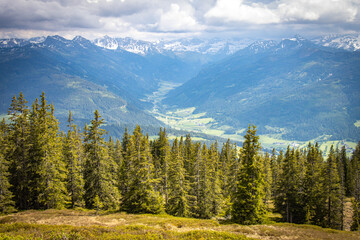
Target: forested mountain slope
<point>80,76</point>
<point>295,88</point>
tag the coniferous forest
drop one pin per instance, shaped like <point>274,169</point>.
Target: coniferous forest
<point>42,168</point>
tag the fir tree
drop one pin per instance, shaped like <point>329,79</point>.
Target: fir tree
<point>18,151</point>
<point>140,197</point>
<point>288,200</point>
<point>177,204</point>
<point>314,198</point>
<point>161,155</point>
<point>355,187</point>
<point>332,192</point>
<point>248,207</point>
<point>48,171</point>
<point>275,163</point>
<point>267,174</point>
<point>215,195</point>
<point>73,158</point>
<point>204,189</point>
<point>341,163</point>
<point>228,167</point>
<point>124,171</point>
<point>6,202</point>
<point>98,174</point>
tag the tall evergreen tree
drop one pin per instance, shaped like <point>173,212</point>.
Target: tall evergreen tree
<point>6,202</point>
<point>161,155</point>
<point>215,194</point>
<point>288,200</point>
<point>275,163</point>
<point>228,167</point>
<point>18,151</point>
<point>124,171</point>
<point>178,198</point>
<point>341,163</point>
<point>98,174</point>
<point>267,174</point>
<point>332,192</point>
<point>195,179</point>
<point>355,187</point>
<point>48,171</point>
<point>140,196</point>
<point>314,198</point>
<point>74,159</point>
<point>248,206</point>
<point>204,202</point>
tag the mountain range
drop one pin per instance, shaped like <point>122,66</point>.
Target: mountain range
<point>296,88</point>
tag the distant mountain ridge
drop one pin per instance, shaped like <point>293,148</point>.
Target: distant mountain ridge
<point>295,89</point>
<point>79,76</point>
<point>312,85</point>
<point>349,42</point>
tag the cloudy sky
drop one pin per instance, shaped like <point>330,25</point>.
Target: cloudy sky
<point>161,19</point>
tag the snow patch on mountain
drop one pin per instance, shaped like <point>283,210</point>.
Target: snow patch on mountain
<point>127,44</point>
<point>350,42</point>
<point>179,46</point>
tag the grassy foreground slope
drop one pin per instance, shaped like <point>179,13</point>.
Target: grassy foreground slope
<point>77,224</point>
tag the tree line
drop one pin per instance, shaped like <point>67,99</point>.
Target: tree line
<point>42,167</point>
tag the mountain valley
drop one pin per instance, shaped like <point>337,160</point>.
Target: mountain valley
<point>294,90</point>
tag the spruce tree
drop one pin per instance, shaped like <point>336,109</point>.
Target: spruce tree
<point>195,179</point>
<point>161,155</point>
<point>74,159</point>
<point>48,172</point>
<point>18,151</point>
<point>177,204</point>
<point>191,154</point>
<point>98,174</point>
<point>124,171</point>
<point>248,206</point>
<point>341,163</point>
<point>314,197</point>
<point>355,187</point>
<point>204,187</point>
<point>6,202</point>
<point>267,174</point>
<point>332,192</point>
<point>288,200</point>
<point>140,197</point>
<point>228,167</point>
<point>275,163</point>
<point>215,195</point>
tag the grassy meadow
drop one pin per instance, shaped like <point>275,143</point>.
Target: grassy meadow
<point>87,224</point>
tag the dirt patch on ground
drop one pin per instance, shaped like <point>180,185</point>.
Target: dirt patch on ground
<point>62,217</point>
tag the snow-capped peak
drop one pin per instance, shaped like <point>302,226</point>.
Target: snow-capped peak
<point>350,42</point>
<point>259,46</point>
<point>178,46</point>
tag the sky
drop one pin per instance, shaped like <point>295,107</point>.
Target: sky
<point>171,19</point>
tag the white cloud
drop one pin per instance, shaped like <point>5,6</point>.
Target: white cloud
<point>285,11</point>
<point>327,11</point>
<point>177,19</point>
<point>237,11</point>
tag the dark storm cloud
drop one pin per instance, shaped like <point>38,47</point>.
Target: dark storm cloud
<point>143,17</point>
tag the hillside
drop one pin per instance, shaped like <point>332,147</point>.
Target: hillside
<point>293,89</point>
<point>79,76</point>
<point>78,224</point>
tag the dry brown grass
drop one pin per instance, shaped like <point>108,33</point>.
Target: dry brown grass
<point>149,226</point>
